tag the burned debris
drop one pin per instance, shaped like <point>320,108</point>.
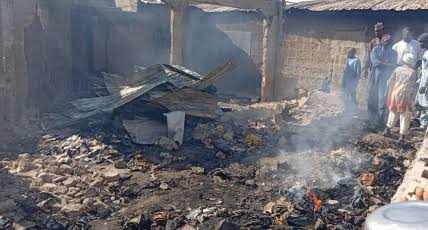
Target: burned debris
<point>221,175</point>
<point>249,125</point>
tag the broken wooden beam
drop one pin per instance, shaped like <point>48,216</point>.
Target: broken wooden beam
<point>215,75</point>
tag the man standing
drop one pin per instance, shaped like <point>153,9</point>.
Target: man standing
<point>408,46</point>
<point>379,32</point>
<point>421,98</point>
<point>351,77</point>
<point>384,61</point>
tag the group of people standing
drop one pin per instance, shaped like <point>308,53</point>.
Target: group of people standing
<point>398,79</point>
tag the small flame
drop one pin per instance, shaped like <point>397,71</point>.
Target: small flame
<point>315,199</point>
<point>317,202</point>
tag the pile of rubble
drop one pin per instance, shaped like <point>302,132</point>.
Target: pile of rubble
<point>263,170</point>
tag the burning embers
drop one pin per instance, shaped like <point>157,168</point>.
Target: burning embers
<point>301,207</point>
<point>312,196</point>
<point>310,207</point>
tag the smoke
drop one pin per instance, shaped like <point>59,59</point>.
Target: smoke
<point>321,151</point>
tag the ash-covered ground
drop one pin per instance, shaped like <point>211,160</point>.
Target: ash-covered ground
<point>316,168</point>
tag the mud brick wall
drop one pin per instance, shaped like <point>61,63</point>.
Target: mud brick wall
<point>35,71</point>
<point>36,56</point>
<point>314,49</point>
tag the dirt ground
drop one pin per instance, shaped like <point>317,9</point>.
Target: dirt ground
<point>225,176</point>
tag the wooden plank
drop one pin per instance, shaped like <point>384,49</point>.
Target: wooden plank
<point>215,75</point>
<point>193,102</point>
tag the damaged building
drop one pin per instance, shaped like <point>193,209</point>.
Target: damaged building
<point>106,36</point>
<point>195,114</point>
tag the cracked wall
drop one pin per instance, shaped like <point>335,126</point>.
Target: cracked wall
<point>36,59</point>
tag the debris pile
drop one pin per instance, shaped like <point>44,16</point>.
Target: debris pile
<point>267,170</point>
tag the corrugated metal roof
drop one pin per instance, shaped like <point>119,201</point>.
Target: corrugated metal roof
<point>343,5</point>
<point>209,8</point>
<point>216,9</point>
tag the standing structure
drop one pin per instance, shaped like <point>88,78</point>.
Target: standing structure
<point>272,12</point>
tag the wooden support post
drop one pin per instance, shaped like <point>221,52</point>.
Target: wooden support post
<point>272,36</point>
<point>177,35</point>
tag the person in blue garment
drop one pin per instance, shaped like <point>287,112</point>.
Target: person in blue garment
<point>384,60</point>
<point>351,78</point>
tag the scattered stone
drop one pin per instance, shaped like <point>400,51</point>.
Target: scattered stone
<point>222,145</point>
<point>46,177</point>
<point>97,182</point>
<point>373,208</point>
<point>164,186</point>
<point>198,170</point>
<point>112,175</point>
<point>167,144</point>
<point>24,225</point>
<point>47,204</point>
<point>250,182</point>
<point>53,169</point>
<point>376,201</point>
<point>73,209</point>
<point>229,136</point>
<point>66,169</point>
<point>49,187</point>
<point>91,192</point>
<point>187,227</point>
<point>70,182</point>
<point>101,207</point>
<point>96,205</point>
<point>80,171</point>
<point>73,191</point>
<point>193,215</point>
<point>120,164</point>
<point>24,165</point>
<point>225,225</point>
<point>165,156</point>
<point>201,132</point>
<point>7,206</point>
<point>220,155</point>
<point>219,130</point>
<point>61,190</point>
<point>332,202</point>
<point>60,179</point>
<point>44,196</point>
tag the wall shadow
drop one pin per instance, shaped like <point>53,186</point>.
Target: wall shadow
<point>207,46</point>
